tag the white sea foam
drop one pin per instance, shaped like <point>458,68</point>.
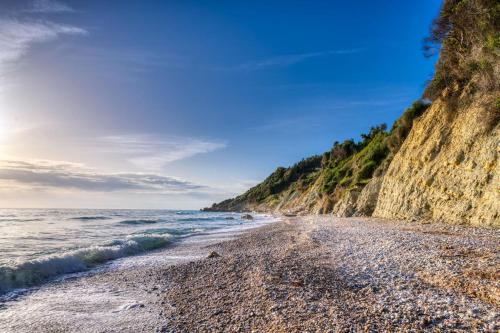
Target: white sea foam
<point>37,245</point>
<point>35,271</point>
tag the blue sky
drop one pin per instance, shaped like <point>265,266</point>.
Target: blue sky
<point>177,104</point>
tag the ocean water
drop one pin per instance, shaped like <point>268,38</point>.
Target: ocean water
<point>37,245</point>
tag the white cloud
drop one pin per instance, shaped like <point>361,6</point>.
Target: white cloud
<point>152,152</point>
<point>49,6</point>
<point>16,37</point>
<point>72,176</point>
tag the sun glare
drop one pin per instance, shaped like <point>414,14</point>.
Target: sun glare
<point>3,130</point>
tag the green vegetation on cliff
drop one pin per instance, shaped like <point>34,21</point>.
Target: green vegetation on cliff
<point>298,175</point>
<point>351,164</point>
<point>467,35</point>
<point>347,166</point>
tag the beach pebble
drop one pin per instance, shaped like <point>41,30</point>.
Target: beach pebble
<point>129,306</point>
<point>213,254</point>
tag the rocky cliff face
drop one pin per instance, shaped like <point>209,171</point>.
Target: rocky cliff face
<point>447,169</point>
<point>438,162</point>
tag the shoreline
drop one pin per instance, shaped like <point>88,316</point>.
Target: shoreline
<point>307,273</point>
<point>122,295</point>
<point>133,236</point>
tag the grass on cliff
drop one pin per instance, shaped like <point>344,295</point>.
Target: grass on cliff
<point>360,161</point>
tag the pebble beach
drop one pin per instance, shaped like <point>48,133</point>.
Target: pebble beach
<point>325,274</point>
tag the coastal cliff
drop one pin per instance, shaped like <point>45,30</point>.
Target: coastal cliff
<point>447,169</point>
<point>439,161</point>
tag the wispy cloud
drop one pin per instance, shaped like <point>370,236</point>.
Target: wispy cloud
<point>289,59</point>
<point>128,59</point>
<point>152,152</point>
<point>65,175</point>
<point>49,6</point>
<point>16,37</point>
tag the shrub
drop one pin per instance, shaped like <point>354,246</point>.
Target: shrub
<point>403,125</point>
<point>460,26</point>
<point>367,170</point>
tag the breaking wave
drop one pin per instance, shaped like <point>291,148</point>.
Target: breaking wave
<point>87,218</point>
<point>21,220</point>
<point>33,272</point>
<point>198,219</point>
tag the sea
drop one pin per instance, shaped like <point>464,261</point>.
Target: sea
<point>39,245</point>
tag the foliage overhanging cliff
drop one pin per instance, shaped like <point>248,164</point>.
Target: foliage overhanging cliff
<point>439,160</point>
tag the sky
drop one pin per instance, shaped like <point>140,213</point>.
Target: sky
<point>179,104</point>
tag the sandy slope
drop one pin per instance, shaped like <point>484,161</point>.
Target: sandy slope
<point>321,274</point>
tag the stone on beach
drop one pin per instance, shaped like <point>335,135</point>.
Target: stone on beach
<point>213,254</point>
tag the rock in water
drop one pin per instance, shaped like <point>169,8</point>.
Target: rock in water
<point>247,217</point>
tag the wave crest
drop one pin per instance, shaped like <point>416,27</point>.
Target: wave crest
<point>33,272</point>
<point>90,218</point>
<point>198,219</point>
<point>140,221</point>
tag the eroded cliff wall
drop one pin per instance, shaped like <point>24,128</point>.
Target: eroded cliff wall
<point>447,168</point>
